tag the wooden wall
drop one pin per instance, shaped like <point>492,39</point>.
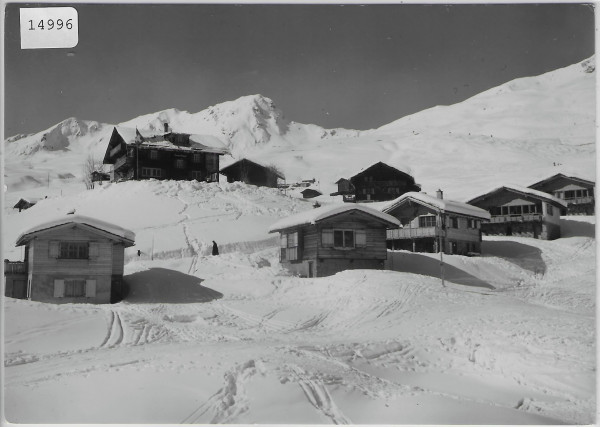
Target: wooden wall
<point>44,269</point>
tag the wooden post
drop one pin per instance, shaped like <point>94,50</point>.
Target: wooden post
<point>441,246</point>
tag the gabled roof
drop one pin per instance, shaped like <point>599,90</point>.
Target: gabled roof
<point>319,214</point>
<point>128,237</point>
<point>131,136</point>
<point>524,191</point>
<point>382,166</point>
<point>558,176</point>
<point>436,204</point>
<point>251,162</point>
<point>27,200</point>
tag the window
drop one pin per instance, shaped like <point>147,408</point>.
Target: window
<point>549,209</point>
<point>570,194</point>
<point>151,172</point>
<point>180,163</point>
<point>197,175</point>
<point>427,221</point>
<point>74,288</point>
<point>153,154</point>
<point>343,239</point>
<point>515,210</point>
<point>197,157</point>
<point>74,250</point>
<point>212,161</point>
<point>453,222</point>
<point>289,246</point>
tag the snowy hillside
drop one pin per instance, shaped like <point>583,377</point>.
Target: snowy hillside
<point>518,133</point>
<point>510,339</point>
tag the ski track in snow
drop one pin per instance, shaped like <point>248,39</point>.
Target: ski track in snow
<point>231,401</point>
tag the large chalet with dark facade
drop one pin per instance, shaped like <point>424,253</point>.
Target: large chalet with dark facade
<point>578,193</point>
<point>169,155</point>
<point>377,183</point>
<point>521,211</point>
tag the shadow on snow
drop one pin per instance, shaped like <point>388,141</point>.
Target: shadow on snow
<point>525,256</point>
<point>410,262</point>
<point>161,285</point>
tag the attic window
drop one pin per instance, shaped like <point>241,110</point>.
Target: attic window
<point>74,250</point>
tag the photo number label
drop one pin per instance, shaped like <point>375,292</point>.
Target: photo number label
<point>49,27</point>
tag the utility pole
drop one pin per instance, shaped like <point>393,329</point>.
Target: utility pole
<point>441,244</point>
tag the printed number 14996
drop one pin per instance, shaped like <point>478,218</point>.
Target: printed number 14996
<point>51,24</point>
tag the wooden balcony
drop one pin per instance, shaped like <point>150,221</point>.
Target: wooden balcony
<point>579,200</point>
<point>516,218</point>
<point>14,267</point>
<point>120,162</point>
<point>115,150</point>
<point>412,233</point>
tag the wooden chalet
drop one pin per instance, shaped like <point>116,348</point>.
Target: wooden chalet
<point>327,240</point>
<point>25,203</point>
<point>72,259</point>
<point>253,173</point>
<point>578,193</point>
<point>430,223</point>
<point>377,183</point>
<point>345,189</point>
<point>521,211</point>
<point>309,193</point>
<point>169,155</point>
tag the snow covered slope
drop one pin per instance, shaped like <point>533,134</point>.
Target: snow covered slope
<point>232,338</point>
<point>518,133</point>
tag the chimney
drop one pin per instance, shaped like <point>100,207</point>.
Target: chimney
<point>166,127</point>
<point>439,194</point>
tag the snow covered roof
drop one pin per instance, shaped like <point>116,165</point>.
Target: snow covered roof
<point>206,143</point>
<point>318,214</point>
<point>527,192</point>
<point>560,175</point>
<point>437,204</point>
<point>128,236</point>
<point>400,168</point>
<point>226,168</point>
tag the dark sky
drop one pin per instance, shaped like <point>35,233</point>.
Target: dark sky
<point>346,66</point>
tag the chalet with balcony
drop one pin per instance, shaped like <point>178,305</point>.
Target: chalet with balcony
<point>521,211</point>
<point>430,223</point>
<point>578,193</point>
<point>169,155</point>
<point>73,259</point>
<point>327,240</point>
<point>377,183</point>
<point>253,173</point>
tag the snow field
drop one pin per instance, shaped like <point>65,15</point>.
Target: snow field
<point>236,340</point>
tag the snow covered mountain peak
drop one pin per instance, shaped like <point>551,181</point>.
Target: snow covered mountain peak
<point>56,138</point>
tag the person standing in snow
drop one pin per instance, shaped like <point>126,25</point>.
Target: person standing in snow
<point>215,250</point>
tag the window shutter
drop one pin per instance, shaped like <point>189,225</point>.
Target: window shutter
<point>53,249</point>
<point>327,238</point>
<point>90,288</point>
<point>59,288</point>
<point>94,249</point>
<point>361,237</point>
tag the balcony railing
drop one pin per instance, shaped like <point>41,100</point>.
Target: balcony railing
<point>412,233</point>
<point>579,200</point>
<point>15,267</point>
<point>120,162</point>
<point>115,150</point>
<point>516,218</point>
